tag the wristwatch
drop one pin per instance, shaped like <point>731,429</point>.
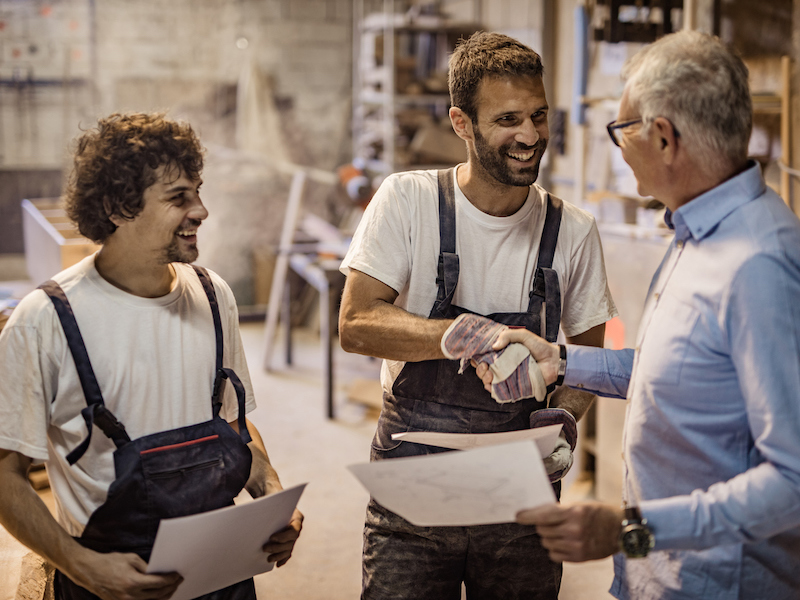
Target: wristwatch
<point>635,540</point>
<point>562,364</point>
<point>562,368</point>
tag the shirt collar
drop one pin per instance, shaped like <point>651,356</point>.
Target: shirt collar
<point>702,214</point>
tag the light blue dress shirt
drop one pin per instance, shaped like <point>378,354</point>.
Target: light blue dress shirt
<point>712,435</point>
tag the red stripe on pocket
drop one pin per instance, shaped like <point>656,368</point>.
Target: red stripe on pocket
<point>181,445</point>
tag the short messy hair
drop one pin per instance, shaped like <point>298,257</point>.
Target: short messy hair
<point>115,162</point>
<point>487,55</point>
<point>700,85</point>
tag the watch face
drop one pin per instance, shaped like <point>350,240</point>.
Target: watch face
<point>636,541</point>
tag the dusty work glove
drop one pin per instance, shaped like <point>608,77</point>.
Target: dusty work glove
<point>515,374</point>
<point>560,460</point>
<point>469,336</point>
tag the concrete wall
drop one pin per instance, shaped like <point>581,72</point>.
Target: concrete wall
<point>65,62</point>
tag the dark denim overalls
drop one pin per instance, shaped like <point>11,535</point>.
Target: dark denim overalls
<point>503,561</point>
<point>173,473</point>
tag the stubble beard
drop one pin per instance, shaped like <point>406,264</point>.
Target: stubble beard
<point>173,253</point>
<point>495,161</point>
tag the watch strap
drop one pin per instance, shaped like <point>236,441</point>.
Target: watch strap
<point>562,364</point>
<point>562,368</point>
<point>632,514</point>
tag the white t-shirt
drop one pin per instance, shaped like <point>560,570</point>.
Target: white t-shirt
<point>397,243</point>
<point>154,359</point>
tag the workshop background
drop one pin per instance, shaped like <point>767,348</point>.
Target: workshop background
<point>303,107</point>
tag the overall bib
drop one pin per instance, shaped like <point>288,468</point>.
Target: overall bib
<point>504,561</point>
<point>172,473</point>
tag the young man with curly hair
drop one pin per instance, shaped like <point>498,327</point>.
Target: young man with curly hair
<point>139,343</point>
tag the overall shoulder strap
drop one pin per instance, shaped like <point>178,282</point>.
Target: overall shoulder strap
<point>545,283</point>
<point>222,374</point>
<point>95,412</point>
<point>208,288</point>
<point>547,245</point>
<point>448,266</point>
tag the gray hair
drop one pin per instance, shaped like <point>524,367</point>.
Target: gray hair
<point>696,82</point>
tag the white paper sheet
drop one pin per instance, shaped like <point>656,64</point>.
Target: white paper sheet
<point>474,487</point>
<point>545,438</point>
<point>215,549</point>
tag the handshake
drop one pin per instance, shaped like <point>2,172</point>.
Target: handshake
<point>514,375</point>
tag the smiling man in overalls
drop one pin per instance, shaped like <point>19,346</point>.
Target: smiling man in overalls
<point>126,374</point>
<point>433,252</point>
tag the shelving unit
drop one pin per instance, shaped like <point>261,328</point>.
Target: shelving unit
<point>400,97</point>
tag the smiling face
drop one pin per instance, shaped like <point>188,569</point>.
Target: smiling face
<point>511,129</point>
<point>166,229</point>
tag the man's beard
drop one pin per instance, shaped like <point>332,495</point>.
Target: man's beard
<point>495,161</point>
<point>174,253</point>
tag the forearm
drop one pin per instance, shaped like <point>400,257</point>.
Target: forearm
<point>26,517</point>
<point>386,331</point>
<point>263,478</point>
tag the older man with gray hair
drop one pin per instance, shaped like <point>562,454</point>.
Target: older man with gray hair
<point>712,437</point>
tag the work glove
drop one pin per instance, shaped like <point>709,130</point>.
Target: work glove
<point>515,374</point>
<point>559,462</point>
<point>469,336</point>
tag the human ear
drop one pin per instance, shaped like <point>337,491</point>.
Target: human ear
<point>462,124</point>
<point>115,219</point>
<point>667,139</point>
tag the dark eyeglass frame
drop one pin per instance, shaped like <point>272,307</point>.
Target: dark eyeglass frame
<point>613,126</point>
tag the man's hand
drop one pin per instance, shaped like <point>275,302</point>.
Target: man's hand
<point>281,543</point>
<point>543,352</point>
<point>576,533</point>
<point>117,576</point>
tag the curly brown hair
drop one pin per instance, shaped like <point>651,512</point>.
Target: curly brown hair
<point>487,54</point>
<point>115,163</point>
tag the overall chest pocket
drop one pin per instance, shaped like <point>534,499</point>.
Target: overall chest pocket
<point>185,478</point>
<point>668,340</point>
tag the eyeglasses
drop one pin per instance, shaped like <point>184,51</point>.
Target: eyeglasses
<point>614,129</point>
